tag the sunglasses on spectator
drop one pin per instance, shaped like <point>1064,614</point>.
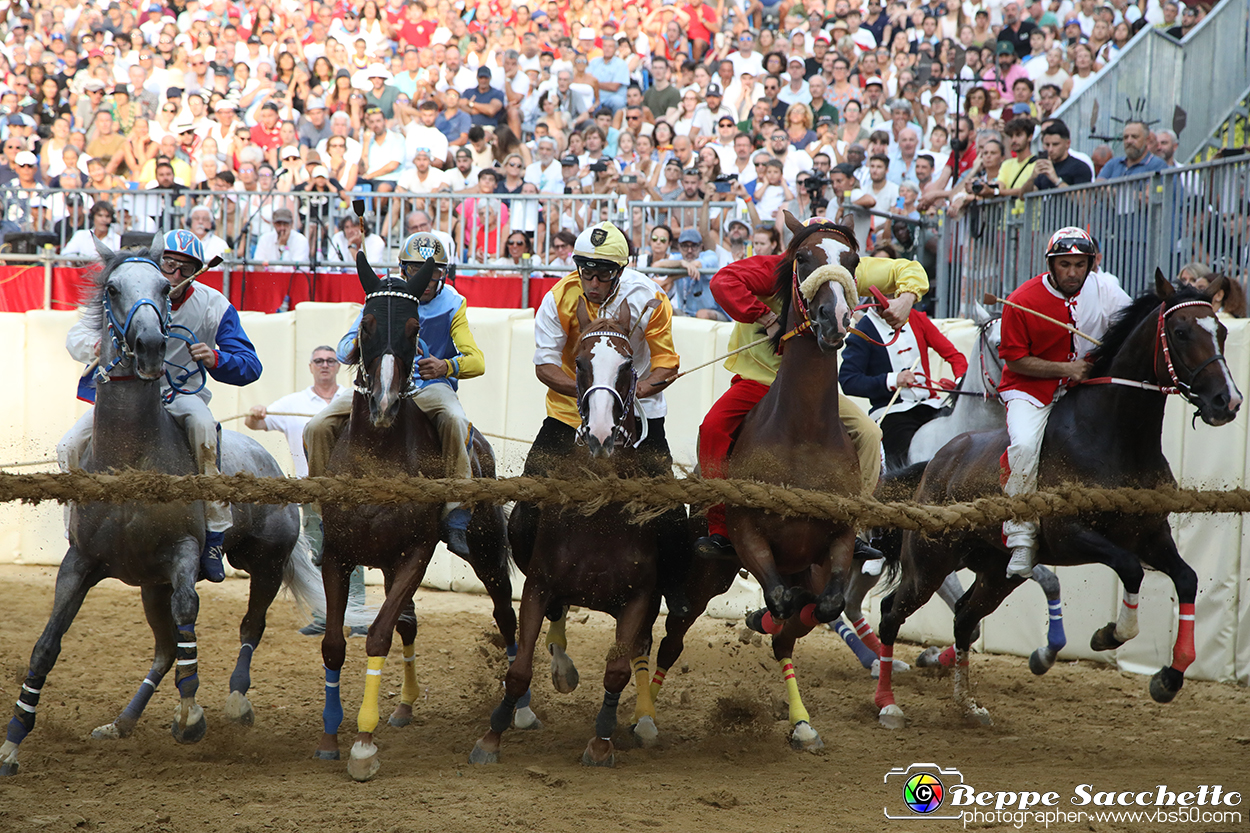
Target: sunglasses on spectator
<point>659,238</point>
<point>516,242</point>
<point>170,109</point>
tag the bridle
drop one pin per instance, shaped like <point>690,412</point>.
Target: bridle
<point>627,403</point>
<point>983,337</point>
<point>800,306</point>
<point>364,382</point>
<point>117,332</point>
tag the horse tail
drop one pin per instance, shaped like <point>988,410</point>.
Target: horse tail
<point>302,579</point>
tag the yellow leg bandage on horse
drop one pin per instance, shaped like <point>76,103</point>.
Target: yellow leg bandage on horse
<point>408,694</point>
<point>644,706</point>
<point>555,632</point>
<point>798,714</point>
<point>656,681</point>
<point>368,719</point>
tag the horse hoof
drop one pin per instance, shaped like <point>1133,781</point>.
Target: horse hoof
<point>240,710</point>
<point>526,719</point>
<point>8,769</point>
<point>1041,661</point>
<point>481,755</point>
<point>593,757</point>
<point>1104,639</point>
<point>899,667</point>
<point>929,657</point>
<point>192,729</point>
<point>326,755</point>
<point>564,674</point>
<point>646,733</point>
<point>978,715</point>
<point>805,738</point>
<point>891,717</point>
<point>401,717</point>
<point>363,763</point>
<point>108,731</point>
<point>1166,684</point>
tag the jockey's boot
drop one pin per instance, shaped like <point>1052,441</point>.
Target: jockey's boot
<point>211,565</point>
<point>865,551</point>
<point>715,547</point>
<point>455,531</point>
<point>1021,563</point>
<point>314,628</point>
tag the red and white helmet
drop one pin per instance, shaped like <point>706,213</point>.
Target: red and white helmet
<point>1070,241</point>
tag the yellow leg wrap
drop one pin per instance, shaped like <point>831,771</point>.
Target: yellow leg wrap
<point>408,694</point>
<point>644,706</point>
<point>798,714</point>
<point>368,719</point>
<point>656,681</point>
<point>555,632</point>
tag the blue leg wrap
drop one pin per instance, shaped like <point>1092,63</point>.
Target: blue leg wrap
<point>863,653</point>
<point>186,678</point>
<point>241,679</point>
<point>525,699</point>
<point>134,709</point>
<point>1055,639</point>
<point>605,723</point>
<point>332,715</point>
<point>501,717</point>
<point>24,709</point>
<point>511,649</point>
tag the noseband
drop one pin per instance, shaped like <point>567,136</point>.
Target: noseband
<point>364,382</point>
<point>627,402</point>
<point>118,331</point>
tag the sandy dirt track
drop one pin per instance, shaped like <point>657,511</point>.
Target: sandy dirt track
<point>723,765</point>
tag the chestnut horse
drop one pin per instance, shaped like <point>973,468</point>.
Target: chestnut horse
<point>1105,432</point>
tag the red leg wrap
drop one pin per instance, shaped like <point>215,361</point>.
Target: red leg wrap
<point>885,685</point>
<point>1183,654</point>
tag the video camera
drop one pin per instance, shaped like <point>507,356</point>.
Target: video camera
<point>816,186</point>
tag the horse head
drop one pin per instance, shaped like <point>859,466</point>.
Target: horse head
<point>817,275</point>
<point>606,380</point>
<point>386,344</point>
<point>1191,339</point>
<point>130,307</point>
<point>986,358</point>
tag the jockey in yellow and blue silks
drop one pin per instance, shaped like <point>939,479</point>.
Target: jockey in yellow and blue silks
<point>448,354</point>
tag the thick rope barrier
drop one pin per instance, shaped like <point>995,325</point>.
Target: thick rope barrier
<point>645,497</point>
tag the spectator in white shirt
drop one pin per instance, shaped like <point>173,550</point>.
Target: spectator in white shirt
<point>420,132</point>
<point>383,154</point>
<point>796,91</point>
<point>82,244</point>
<point>283,244</point>
<point>545,170</point>
<point>201,222</point>
<point>346,243</point>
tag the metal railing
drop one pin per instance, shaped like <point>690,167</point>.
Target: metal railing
<point>1204,77</point>
<point>1198,213</point>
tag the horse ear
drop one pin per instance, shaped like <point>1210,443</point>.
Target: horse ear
<point>980,314</point>
<point>1215,287</point>
<point>104,251</point>
<point>583,315</point>
<point>158,246</point>
<point>421,280</point>
<point>1163,287</point>
<point>793,223</point>
<point>368,278</point>
<point>623,316</point>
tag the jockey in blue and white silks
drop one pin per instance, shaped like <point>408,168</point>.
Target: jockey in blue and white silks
<point>217,340</point>
<point>447,353</point>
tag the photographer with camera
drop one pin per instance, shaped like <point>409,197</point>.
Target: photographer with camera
<point>691,295</point>
<point>849,198</point>
<point>810,199</point>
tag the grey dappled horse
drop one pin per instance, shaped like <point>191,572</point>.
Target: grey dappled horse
<point>156,546</point>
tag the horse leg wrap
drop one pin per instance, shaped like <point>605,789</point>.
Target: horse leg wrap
<point>1055,638</point>
<point>885,681</point>
<point>23,720</point>
<point>808,616</point>
<point>862,652</point>
<point>501,717</point>
<point>947,658</point>
<point>408,694</point>
<point>241,679</point>
<point>367,720</point>
<point>605,723</point>
<point>1183,654</point>
<point>644,706</point>
<point>187,676</point>
<point>511,649</point>
<point>555,633</point>
<point>1126,619</point>
<point>864,631</point>
<point>798,714</point>
<point>657,682</point>
<point>134,709</point>
<point>332,715</point>
<point>771,626</point>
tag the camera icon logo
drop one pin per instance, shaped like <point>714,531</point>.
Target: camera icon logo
<point>918,791</point>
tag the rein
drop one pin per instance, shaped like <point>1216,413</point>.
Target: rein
<point>628,403</point>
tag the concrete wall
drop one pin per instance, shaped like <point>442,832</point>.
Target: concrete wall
<point>508,401</point>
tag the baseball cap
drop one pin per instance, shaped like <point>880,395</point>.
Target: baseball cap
<point>173,92</point>
<point>736,221</point>
<point>845,168</point>
<point>93,84</point>
<point>586,33</point>
<point>483,72</point>
<point>377,71</point>
<point>713,89</point>
<point>1004,48</point>
<point>95,53</point>
<point>283,215</point>
<point>319,170</point>
<point>570,161</point>
<point>873,80</point>
<point>825,120</point>
<point>797,59</point>
<point>26,158</point>
<point>821,38</point>
<point>314,103</point>
<point>690,236</point>
<point>14,120</point>
<point>1071,21</point>
<point>289,152</point>
<point>223,104</point>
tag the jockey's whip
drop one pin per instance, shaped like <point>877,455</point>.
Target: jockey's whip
<point>897,391</point>
<point>755,343</point>
<point>991,298</point>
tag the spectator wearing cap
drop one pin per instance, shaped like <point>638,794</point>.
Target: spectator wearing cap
<point>420,131</point>
<point>874,115</point>
<point>820,48</point>
<point>725,132</point>
<point>737,239</point>
<point>483,103</point>
<point>708,114</point>
<point>283,244</point>
<point>381,94</point>
<point>1008,70</point>
<point>23,206</point>
<point>691,294</point>
<point>463,174</point>
<point>796,91</point>
<point>612,74</point>
<point>313,126</point>
<point>90,104</point>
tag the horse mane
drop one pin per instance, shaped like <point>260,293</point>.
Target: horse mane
<point>91,298</point>
<point>785,269</point>
<point>1128,319</point>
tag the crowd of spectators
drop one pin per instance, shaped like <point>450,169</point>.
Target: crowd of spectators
<point>271,114</point>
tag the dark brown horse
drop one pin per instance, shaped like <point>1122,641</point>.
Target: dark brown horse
<point>1104,433</point>
<point>606,561</point>
<point>793,437</point>
<point>389,435</point>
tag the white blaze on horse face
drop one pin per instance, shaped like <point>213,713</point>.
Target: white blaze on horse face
<point>605,365</point>
<point>386,373</point>
<point>842,310</point>
<point>1211,325</point>
<point>834,249</point>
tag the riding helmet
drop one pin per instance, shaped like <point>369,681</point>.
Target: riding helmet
<point>183,242</point>
<point>1070,241</point>
<point>602,241</point>
<point>423,246</point>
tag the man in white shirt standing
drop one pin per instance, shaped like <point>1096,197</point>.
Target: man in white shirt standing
<point>283,244</point>
<point>545,170</point>
<point>289,415</point>
<point>420,132</point>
